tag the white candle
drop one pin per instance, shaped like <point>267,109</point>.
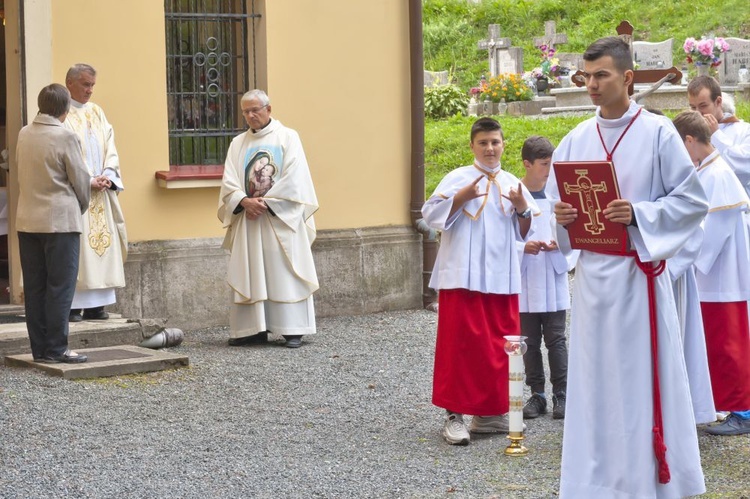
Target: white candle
<point>516,369</point>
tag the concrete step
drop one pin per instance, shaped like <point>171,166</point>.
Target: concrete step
<point>106,361</point>
<point>569,109</point>
<point>87,334</point>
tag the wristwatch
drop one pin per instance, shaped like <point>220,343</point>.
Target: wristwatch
<point>526,213</point>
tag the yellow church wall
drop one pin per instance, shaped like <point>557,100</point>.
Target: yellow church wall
<point>125,42</point>
<point>336,71</point>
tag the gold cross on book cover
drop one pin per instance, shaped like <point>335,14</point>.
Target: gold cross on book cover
<point>590,186</point>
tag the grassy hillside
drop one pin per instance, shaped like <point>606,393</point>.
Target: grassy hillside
<point>447,141</point>
<point>452,28</point>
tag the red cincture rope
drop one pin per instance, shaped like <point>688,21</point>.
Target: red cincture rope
<point>660,448</point>
<point>652,272</point>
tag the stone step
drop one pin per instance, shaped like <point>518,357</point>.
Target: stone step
<point>87,334</point>
<point>11,310</point>
<point>569,109</point>
<point>106,361</point>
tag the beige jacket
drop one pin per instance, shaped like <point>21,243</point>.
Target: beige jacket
<point>54,183</point>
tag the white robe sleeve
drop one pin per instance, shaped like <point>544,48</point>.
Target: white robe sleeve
<point>562,153</point>
<point>231,193</point>
<point>436,210</point>
<point>735,151</point>
<point>679,201</point>
<point>718,227</point>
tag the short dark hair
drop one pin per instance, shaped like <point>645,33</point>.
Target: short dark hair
<point>486,125</point>
<point>612,46</point>
<point>536,147</point>
<point>54,100</point>
<point>694,124</point>
<point>700,82</point>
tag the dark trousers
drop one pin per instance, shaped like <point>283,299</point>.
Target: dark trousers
<point>551,327</point>
<point>49,262</point>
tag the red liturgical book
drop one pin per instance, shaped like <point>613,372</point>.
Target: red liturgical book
<point>589,186</point>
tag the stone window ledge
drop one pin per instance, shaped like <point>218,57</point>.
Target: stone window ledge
<point>190,176</point>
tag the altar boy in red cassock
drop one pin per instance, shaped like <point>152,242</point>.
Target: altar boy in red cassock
<point>723,276</point>
<point>482,211</point>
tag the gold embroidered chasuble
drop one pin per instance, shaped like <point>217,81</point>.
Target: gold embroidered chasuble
<point>104,239</point>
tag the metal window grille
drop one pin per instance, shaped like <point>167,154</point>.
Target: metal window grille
<point>207,73</point>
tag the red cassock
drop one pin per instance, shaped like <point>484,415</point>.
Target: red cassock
<point>471,366</point>
<point>728,348</point>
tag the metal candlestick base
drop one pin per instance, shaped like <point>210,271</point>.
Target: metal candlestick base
<point>515,448</point>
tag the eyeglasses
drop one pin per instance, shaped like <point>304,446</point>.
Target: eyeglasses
<point>254,110</point>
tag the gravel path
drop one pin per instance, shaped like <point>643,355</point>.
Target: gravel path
<point>346,415</point>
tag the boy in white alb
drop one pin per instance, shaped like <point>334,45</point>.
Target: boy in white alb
<point>481,211</point>
<point>723,276</point>
<point>545,296</point>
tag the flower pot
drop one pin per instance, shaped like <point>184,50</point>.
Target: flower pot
<point>541,85</point>
<point>702,69</point>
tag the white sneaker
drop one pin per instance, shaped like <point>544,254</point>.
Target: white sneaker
<point>491,424</point>
<point>454,431</point>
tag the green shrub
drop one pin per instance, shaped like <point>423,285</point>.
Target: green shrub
<point>441,101</point>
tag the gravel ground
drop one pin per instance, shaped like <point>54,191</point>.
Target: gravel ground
<point>346,415</point>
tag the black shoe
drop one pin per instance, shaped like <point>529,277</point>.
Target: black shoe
<point>98,315</point>
<point>293,341</point>
<point>67,357</point>
<point>535,407</point>
<point>75,317</point>
<point>256,339</point>
<point>558,406</point>
<point>732,425</point>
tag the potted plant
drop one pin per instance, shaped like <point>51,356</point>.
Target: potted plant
<point>508,87</point>
<point>547,74</point>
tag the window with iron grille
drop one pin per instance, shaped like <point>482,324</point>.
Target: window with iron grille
<point>208,42</point>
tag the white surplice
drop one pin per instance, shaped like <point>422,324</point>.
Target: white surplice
<point>478,248</point>
<point>271,269</point>
<point>607,444</point>
<point>104,241</point>
<point>544,276</point>
<point>723,265</point>
<point>733,142</point>
<point>686,297</point>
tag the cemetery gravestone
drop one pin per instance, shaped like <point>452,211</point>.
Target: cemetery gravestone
<point>551,36</point>
<point>738,55</point>
<point>435,78</point>
<point>656,55</point>
<point>503,58</point>
<point>570,60</point>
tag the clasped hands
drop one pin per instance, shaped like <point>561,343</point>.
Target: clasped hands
<point>535,247</point>
<point>618,210</point>
<point>100,183</point>
<point>254,207</point>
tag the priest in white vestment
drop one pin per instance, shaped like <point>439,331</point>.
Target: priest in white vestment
<point>104,242</point>
<point>729,134</point>
<point>266,203</point>
<point>610,448</point>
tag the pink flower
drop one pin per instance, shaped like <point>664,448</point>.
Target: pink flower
<point>689,45</point>
<point>706,47</point>
<point>722,44</point>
